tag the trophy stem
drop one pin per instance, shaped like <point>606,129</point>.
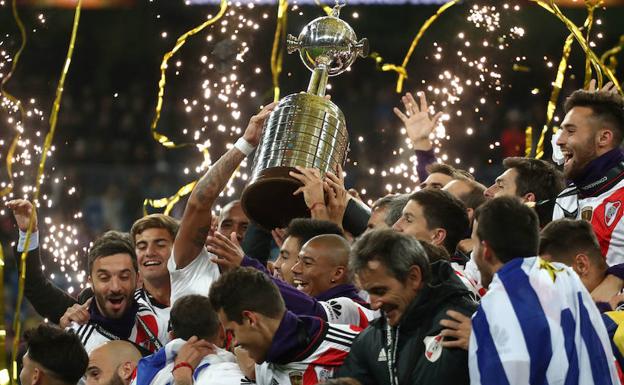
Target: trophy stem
<point>318,81</point>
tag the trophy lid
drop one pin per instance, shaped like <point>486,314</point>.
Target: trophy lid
<point>328,41</point>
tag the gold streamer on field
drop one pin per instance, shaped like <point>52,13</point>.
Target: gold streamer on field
<point>44,155</point>
<point>401,70</point>
<point>169,202</point>
<point>610,55</point>
<point>528,141</point>
<point>277,52</point>
<point>15,101</point>
<point>160,138</point>
<point>599,67</point>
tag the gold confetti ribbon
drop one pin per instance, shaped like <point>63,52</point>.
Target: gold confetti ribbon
<point>599,67</point>
<point>14,100</point>
<point>610,55</point>
<point>326,8</point>
<point>401,70</point>
<point>277,52</point>
<point>17,325</point>
<point>160,138</point>
<point>528,141</point>
<point>589,22</point>
<point>169,202</point>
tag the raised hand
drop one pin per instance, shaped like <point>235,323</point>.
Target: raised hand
<point>609,87</point>
<point>254,128</point>
<point>22,209</point>
<point>337,196</point>
<point>312,190</point>
<point>228,251</point>
<point>418,124</point>
<point>77,313</point>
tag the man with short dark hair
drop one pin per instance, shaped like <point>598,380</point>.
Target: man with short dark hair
<point>404,346</point>
<point>231,219</point>
<point>53,357</point>
<point>434,216</point>
<point>287,348</point>
<point>532,180</point>
<point>194,354</point>
<point>386,211</point>
<point>113,363</point>
<point>590,140</point>
<point>537,323</point>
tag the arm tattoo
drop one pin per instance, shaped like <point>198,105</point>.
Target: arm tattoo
<point>199,238</point>
<point>213,182</point>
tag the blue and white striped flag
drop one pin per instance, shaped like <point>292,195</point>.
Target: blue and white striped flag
<point>537,324</point>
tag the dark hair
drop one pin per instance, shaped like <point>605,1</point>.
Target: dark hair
<point>396,251</point>
<point>192,315</point>
<point>246,289</point>
<point>441,168</point>
<point>442,210</point>
<point>58,351</point>
<point>565,238</point>
<point>435,253</point>
<point>306,228</point>
<point>510,227</point>
<point>475,197</point>
<point>540,178</point>
<point>110,243</point>
<point>395,209</point>
<point>154,221</point>
<point>606,106</point>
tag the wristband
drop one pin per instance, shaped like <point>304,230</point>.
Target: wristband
<point>183,364</point>
<point>315,204</point>
<point>244,146</point>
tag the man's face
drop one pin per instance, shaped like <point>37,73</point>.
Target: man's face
<point>413,222</point>
<point>28,369</point>
<point>101,369</point>
<point>287,258</point>
<point>248,336</point>
<point>478,254</point>
<point>505,185</point>
<point>577,141</point>
<point>114,281</point>
<point>314,270</point>
<point>153,248</point>
<point>436,180</point>
<point>233,219</point>
<point>377,219</point>
<point>386,292</point>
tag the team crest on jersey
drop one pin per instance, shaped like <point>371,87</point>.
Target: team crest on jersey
<point>611,212</point>
<point>296,378</point>
<point>323,374</point>
<point>433,347</point>
<point>587,213</point>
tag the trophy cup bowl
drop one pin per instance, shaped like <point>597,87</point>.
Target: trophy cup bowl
<point>305,129</point>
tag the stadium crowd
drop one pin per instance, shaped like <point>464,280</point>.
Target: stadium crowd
<point>457,283</point>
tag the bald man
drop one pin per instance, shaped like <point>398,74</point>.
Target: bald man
<point>324,287</point>
<point>112,363</point>
<point>232,219</point>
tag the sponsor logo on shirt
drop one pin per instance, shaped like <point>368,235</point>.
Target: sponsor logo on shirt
<point>296,378</point>
<point>382,355</point>
<point>587,213</point>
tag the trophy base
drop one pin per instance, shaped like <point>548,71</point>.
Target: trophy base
<point>273,203</point>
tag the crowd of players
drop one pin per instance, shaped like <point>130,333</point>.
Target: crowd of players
<point>517,283</point>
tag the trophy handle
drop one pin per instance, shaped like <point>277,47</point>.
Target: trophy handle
<point>362,47</point>
<point>292,43</point>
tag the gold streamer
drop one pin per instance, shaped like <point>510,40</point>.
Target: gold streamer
<point>610,55</point>
<point>528,141</point>
<point>14,100</point>
<point>169,202</point>
<point>598,66</point>
<point>326,8</point>
<point>277,52</point>
<point>401,70</point>
<point>160,138</point>
<point>44,154</point>
<point>589,22</point>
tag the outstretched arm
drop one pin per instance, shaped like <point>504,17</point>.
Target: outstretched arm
<point>196,221</point>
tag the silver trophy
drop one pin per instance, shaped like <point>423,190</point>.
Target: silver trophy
<point>305,129</point>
